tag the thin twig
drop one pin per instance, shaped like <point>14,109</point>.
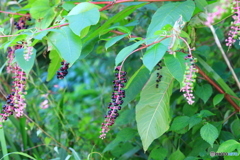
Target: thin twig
<point>12,13</point>
<point>47,134</point>
<point>224,56</point>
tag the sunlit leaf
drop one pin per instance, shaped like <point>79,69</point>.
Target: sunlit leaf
<point>152,111</point>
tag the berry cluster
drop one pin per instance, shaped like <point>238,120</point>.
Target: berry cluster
<point>63,71</point>
<point>159,76</point>
<point>21,23</point>
<point>189,79</point>
<point>117,100</point>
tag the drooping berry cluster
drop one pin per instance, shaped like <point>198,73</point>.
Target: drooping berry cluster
<point>117,100</point>
<point>159,76</point>
<point>189,78</point>
<point>21,23</point>
<point>63,71</point>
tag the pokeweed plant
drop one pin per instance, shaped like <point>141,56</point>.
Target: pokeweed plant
<point>67,32</point>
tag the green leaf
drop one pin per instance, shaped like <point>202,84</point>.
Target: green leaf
<point>235,128</point>
<point>116,18</point>
<point>114,40</point>
<point>228,146</point>
<point>201,4</point>
<point>152,111</point>
<point>25,65</point>
<point>54,64</point>
<point>125,52</point>
<point>82,20</point>
<point>169,14</point>
<point>217,99</point>
<point>204,92</point>
<point>209,133</point>
<point>82,7</point>
<point>67,44</point>
<point>158,153</point>
<point>19,153</point>
<point>153,55</point>
<point>135,84</point>
<point>122,136</point>
<point>177,155</point>
<point>216,77</point>
<point>42,11</point>
<point>194,120</point>
<point>205,113</point>
<point>75,154</point>
<point>176,65</point>
<point>179,123</point>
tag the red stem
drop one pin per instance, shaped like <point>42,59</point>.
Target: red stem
<point>25,15</point>
<point>123,1</point>
<point>227,96</point>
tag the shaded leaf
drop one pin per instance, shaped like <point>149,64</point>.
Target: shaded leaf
<point>67,44</point>
<point>152,111</point>
<point>205,113</point>
<point>135,84</point>
<point>209,133</point>
<point>153,55</point>
<point>177,155</point>
<point>194,120</point>
<point>176,65</point>
<point>54,65</point>
<point>42,10</point>
<point>82,20</point>
<point>114,40</point>
<point>217,99</point>
<point>125,52</point>
<point>26,66</point>
<point>179,123</point>
<point>204,92</point>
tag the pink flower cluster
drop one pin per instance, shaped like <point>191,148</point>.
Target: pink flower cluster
<point>218,11</point>
<point>15,103</point>
<point>189,80</point>
<point>234,31</point>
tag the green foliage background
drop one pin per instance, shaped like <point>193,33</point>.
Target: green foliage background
<point>69,128</point>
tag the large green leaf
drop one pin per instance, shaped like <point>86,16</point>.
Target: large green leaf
<point>154,55</point>
<point>25,65</point>
<point>82,7</point>
<point>54,64</point>
<point>82,20</point>
<point>177,155</point>
<point>176,65</point>
<point>152,111</point>
<point>135,84</point>
<point>125,52</point>
<point>228,146</point>
<point>209,133</point>
<point>42,11</point>
<point>67,44</point>
<point>169,14</point>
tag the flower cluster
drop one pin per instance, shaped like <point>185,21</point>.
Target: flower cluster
<point>16,100</point>
<point>234,29</point>
<point>189,79</point>
<point>159,76</point>
<point>63,71</point>
<point>117,100</point>
<point>21,23</point>
<point>28,49</point>
<point>218,11</point>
